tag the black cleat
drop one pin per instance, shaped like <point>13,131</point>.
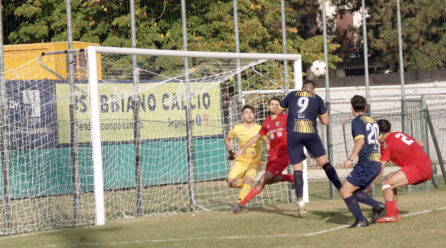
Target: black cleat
<point>359,224</point>
<point>377,212</point>
<point>237,208</point>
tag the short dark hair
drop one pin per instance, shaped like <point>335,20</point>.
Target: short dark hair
<point>384,126</point>
<point>307,83</point>
<point>359,103</point>
<point>247,106</point>
<point>273,99</point>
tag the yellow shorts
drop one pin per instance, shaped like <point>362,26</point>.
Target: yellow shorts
<point>240,170</point>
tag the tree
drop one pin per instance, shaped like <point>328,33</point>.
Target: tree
<point>423,24</point>
<point>158,24</point>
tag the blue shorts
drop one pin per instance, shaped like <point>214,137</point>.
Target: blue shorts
<point>296,143</point>
<point>364,173</point>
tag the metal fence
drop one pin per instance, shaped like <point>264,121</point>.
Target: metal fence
<point>393,39</point>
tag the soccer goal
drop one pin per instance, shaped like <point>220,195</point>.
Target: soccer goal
<point>183,104</point>
<point>129,132</point>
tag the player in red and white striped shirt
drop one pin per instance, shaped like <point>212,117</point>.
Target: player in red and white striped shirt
<point>406,152</point>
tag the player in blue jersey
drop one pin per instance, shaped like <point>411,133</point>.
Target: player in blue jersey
<point>365,132</point>
<point>304,107</point>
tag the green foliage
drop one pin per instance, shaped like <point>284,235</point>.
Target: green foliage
<point>158,23</point>
<point>423,24</point>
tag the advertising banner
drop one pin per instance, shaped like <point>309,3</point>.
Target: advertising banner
<point>31,114</point>
<point>162,111</point>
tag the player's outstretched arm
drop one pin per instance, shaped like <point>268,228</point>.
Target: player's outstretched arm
<point>249,143</point>
<point>266,140</point>
<point>359,143</point>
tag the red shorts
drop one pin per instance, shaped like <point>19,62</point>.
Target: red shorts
<point>418,171</point>
<point>276,167</point>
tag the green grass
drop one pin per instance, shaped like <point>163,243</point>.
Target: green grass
<point>276,226</point>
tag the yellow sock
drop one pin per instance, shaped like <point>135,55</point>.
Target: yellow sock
<point>244,192</point>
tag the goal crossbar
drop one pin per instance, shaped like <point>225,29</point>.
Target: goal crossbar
<point>194,54</point>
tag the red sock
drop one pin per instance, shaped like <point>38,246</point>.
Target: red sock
<point>395,204</point>
<point>250,195</point>
<point>287,178</point>
<point>390,208</point>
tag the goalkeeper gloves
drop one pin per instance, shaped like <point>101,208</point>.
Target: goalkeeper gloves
<point>231,155</point>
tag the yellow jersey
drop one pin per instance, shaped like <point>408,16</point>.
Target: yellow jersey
<point>253,153</point>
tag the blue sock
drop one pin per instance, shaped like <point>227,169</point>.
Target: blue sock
<point>353,206</point>
<point>366,199</point>
<point>299,184</point>
<point>332,175</point>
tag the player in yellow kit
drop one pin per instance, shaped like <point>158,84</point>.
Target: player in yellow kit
<point>247,165</point>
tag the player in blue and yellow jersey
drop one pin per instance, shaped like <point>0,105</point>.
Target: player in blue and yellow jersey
<point>304,107</point>
<point>365,132</point>
<point>247,165</point>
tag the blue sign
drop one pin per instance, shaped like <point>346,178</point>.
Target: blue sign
<point>31,111</point>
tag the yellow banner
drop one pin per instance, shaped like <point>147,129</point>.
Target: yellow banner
<point>162,111</point>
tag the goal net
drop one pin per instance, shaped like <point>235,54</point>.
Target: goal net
<point>137,132</point>
<point>133,132</point>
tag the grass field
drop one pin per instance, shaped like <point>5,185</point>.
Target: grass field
<point>423,224</point>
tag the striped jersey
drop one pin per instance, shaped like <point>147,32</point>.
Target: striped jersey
<point>366,127</point>
<point>303,110</point>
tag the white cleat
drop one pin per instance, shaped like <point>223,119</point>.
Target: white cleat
<point>301,209</point>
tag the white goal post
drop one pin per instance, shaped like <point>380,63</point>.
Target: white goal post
<point>95,101</point>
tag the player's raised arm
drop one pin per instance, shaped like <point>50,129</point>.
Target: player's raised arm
<point>283,105</point>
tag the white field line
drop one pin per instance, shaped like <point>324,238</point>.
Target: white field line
<point>284,235</point>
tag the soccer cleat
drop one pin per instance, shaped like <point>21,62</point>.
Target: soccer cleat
<point>301,209</point>
<point>237,208</point>
<point>387,219</point>
<point>377,212</point>
<point>359,224</point>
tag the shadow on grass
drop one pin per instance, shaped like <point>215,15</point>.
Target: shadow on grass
<point>336,217</point>
<point>274,210</point>
<point>81,237</point>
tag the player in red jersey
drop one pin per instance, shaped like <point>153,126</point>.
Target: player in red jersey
<point>275,127</point>
<point>408,153</point>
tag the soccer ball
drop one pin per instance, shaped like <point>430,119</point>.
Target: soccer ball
<point>318,68</point>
